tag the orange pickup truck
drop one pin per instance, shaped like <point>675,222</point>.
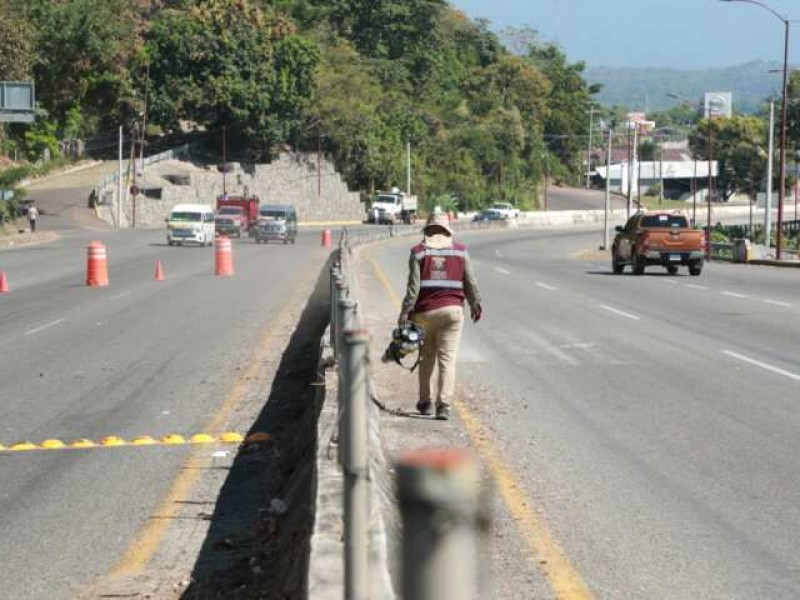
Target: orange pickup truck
<point>658,238</point>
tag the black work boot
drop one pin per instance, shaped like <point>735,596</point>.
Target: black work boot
<point>424,408</point>
<point>442,412</point>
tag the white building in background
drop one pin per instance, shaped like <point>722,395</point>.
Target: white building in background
<point>680,177</point>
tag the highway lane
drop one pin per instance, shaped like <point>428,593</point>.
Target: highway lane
<point>651,420</point>
<point>138,357</point>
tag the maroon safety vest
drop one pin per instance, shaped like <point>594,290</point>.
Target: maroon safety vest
<point>441,276</point>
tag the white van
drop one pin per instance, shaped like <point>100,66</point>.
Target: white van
<point>191,223</point>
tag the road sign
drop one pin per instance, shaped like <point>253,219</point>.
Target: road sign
<point>17,101</point>
<point>134,190</point>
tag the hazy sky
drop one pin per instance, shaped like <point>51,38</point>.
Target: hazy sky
<point>642,33</point>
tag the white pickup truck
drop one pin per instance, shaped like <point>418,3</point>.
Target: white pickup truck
<point>393,207</point>
<point>506,210</point>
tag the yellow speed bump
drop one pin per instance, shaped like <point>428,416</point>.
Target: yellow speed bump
<point>143,440</point>
<point>231,437</point>
<point>203,438</point>
<point>83,443</point>
<point>258,436</point>
<point>173,439</point>
<point>112,440</point>
<point>23,446</point>
<point>53,445</point>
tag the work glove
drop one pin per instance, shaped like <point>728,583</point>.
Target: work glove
<point>477,312</point>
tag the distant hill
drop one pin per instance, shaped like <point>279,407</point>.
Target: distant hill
<point>640,88</point>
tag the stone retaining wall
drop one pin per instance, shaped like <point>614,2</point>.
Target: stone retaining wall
<point>293,178</point>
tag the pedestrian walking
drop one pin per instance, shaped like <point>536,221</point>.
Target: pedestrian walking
<point>440,279</point>
<point>33,215</point>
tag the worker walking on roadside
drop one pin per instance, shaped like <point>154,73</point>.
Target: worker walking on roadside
<point>440,278</point>
<point>33,215</point>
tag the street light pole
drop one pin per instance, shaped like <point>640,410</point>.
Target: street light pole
<point>589,148</point>
<point>782,189</point>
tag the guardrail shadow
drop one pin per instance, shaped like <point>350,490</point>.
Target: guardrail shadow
<point>258,542</point>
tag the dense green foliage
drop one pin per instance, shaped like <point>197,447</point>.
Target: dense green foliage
<point>357,78</point>
<point>650,88</point>
<point>739,144</point>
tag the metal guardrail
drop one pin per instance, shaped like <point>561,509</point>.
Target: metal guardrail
<point>438,490</point>
<point>173,153</point>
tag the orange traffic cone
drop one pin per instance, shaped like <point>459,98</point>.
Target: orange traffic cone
<point>159,276</point>
<point>3,283</point>
<point>96,265</point>
<point>326,238</point>
<point>223,256</point>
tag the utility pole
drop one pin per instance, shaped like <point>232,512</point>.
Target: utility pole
<point>546,181</point>
<point>770,160</point>
<point>135,186</point>
<point>589,148</point>
<point>408,166</point>
<point>630,170</point>
<point>608,189</point>
<point>224,162</point>
<point>144,116</point>
<point>119,181</point>
<point>661,171</point>
<point>319,164</point>
<point>710,185</point>
<point>694,193</point>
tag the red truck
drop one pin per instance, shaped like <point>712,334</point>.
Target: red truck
<point>236,214</point>
<point>658,238</point>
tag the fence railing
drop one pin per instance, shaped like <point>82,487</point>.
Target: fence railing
<point>171,154</point>
<point>438,490</point>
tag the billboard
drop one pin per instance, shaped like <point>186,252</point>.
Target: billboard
<point>17,101</point>
<point>718,105</point>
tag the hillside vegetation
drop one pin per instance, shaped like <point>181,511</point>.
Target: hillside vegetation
<point>355,78</point>
<point>637,88</point>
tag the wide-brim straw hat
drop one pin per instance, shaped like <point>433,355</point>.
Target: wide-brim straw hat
<point>435,221</point>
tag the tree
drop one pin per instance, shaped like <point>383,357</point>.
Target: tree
<point>738,146</point>
<point>231,63</point>
<point>83,50</point>
<point>17,52</point>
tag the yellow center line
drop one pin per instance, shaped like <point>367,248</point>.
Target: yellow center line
<point>147,540</point>
<point>566,582</point>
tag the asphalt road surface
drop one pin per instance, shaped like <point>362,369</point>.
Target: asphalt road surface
<point>139,357</point>
<point>650,422</point>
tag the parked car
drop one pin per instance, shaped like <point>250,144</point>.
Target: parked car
<point>489,214</point>
<point>508,211</point>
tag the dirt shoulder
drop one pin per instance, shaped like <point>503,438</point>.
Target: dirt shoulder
<point>19,234</point>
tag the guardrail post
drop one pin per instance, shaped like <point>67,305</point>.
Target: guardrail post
<point>439,499</point>
<point>334,302</point>
<point>341,293</point>
<point>353,453</point>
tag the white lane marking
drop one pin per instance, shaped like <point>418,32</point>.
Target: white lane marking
<point>776,302</point>
<point>503,271</point>
<point>621,313</point>
<point>118,296</point>
<point>733,294</point>
<point>498,253</point>
<point>43,327</point>
<point>694,286</point>
<point>670,281</point>
<point>758,363</point>
<point>549,288</point>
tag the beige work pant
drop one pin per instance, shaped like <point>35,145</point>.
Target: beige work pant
<point>437,367</point>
